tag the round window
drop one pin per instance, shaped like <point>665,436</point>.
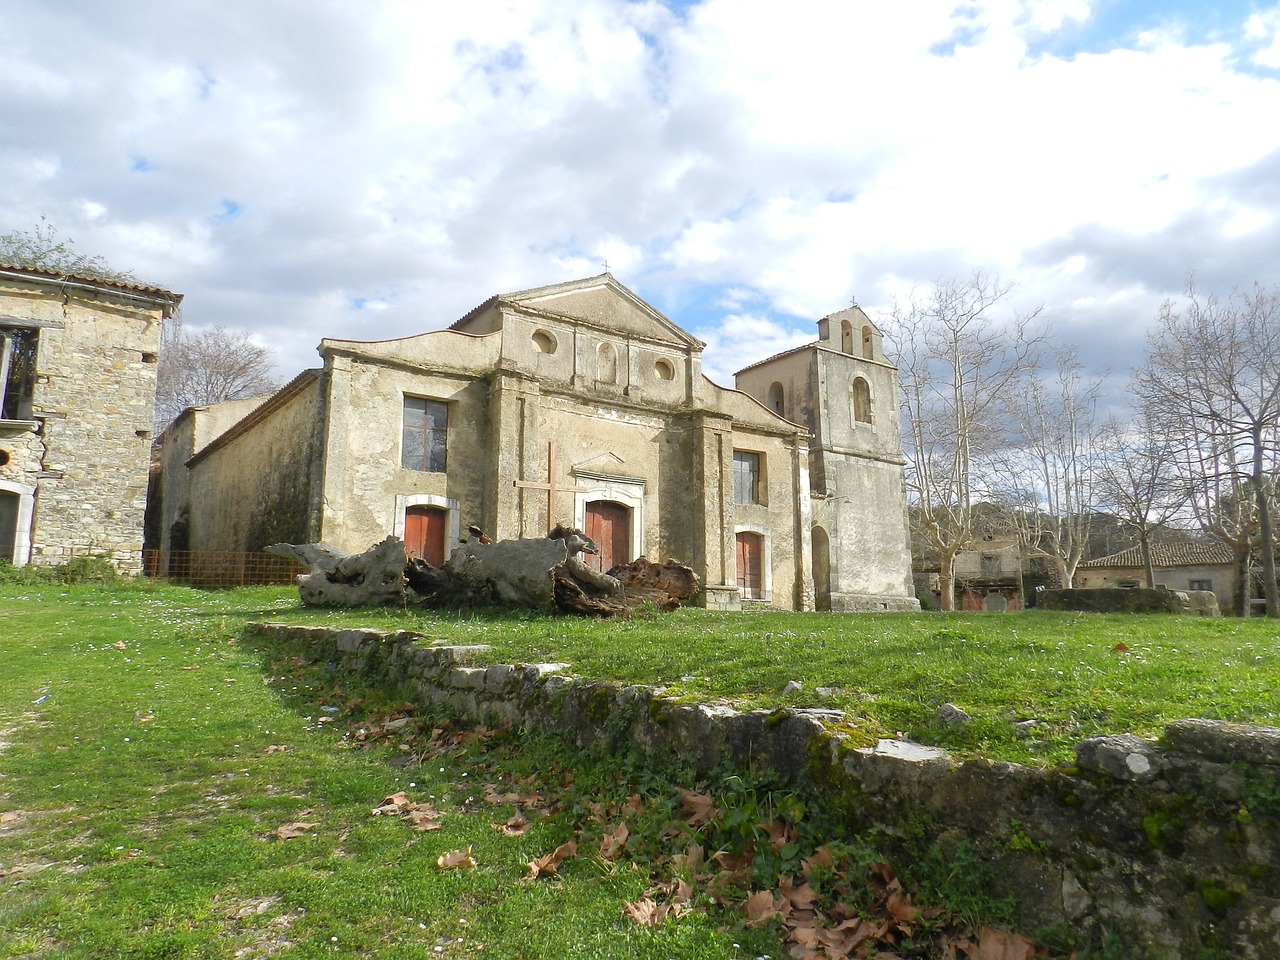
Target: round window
<point>4,458</point>
<point>544,342</point>
<point>664,370</point>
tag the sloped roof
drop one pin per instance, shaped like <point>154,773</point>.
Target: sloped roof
<point>124,286</point>
<point>1168,555</point>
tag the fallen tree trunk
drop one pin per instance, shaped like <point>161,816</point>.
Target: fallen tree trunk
<point>546,574</point>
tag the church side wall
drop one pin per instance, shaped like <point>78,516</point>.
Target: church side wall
<point>257,488</point>
<point>87,452</point>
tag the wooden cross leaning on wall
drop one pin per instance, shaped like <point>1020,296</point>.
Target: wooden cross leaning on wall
<point>550,486</point>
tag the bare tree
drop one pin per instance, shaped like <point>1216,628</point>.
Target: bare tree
<point>209,367</point>
<point>43,249</point>
<point>1139,481</point>
<point>1045,470</point>
<point>1212,383</point>
<point>957,362</point>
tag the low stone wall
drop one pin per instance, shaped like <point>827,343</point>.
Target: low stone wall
<point>1130,600</point>
<point>1174,847</point>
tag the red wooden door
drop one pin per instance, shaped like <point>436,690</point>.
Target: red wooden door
<point>609,525</point>
<point>750,582</point>
<point>424,529</point>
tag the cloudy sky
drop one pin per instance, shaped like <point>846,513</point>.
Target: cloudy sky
<point>373,169</point>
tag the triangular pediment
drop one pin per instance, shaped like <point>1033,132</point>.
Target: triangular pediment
<point>600,302</point>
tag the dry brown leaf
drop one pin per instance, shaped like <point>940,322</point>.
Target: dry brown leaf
<point>146,718</point>
<point>821,860</point>
<point>759,908</point>
<point>799,898</point>
<point>613,843</point>
<point>424,818</point>
<point>699,808</point>
<point>780,834</point>
<point>996,944</point>
<point>548,865</point>
<point>9,816</point>
<point>456,860</point>
<point>194,666</point>
<point>1120,648</point>
<point>516,826</point>
<point>634,805</point>
<point>392,806</point>
<point>276,748</point>
<point>693,859</point>
<point>645,912</point>
<point>294,828</point>
<point>120,645</point>
<point>491,795</point>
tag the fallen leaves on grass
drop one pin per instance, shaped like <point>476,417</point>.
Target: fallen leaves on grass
<point>456,860</point>
<point>516,826</point>
<point>120,645</point>
<point>423,816</point>
<point>614,842</point>
<point>549,865</point>
<point>292,829</point>
<point>648,912</point>
<point>10,816</point>
<point>276,748</point>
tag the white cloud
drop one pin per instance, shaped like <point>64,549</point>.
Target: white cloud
<point>737,161</point>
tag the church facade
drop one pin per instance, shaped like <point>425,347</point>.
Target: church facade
<point>576,403</point>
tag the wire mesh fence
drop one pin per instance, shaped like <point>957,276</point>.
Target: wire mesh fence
<point>210,569</point>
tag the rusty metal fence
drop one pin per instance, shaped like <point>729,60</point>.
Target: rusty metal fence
<point>211,569</point>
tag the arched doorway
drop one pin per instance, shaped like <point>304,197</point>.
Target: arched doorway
<point>821,569</point>
<point>424,533</point>
<point>609,525</point>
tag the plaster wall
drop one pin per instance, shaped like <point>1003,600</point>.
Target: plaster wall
<point>258,484</point>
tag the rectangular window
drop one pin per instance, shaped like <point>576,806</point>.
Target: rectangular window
<point>1201,585</point>
<point>17,372</point>
<point>746,477</point>
<point>422,441</point>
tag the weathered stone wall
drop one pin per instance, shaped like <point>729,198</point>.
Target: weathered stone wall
<point>86,449</point>
<point>1130,600</point>
<point>258,483</point>
<point>1171,847</point>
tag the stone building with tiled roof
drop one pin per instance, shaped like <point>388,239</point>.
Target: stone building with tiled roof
<point>78,362</point>
<point>1178,566</point>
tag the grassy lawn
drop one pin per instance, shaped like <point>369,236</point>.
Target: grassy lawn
<point>149,757</point>
<point>1075,675</point>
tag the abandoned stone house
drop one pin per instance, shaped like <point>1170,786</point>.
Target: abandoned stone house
<point>1176,566</point>
<point>580,403</point>
<point>78,358</point>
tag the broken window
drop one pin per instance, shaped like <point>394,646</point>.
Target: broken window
<point>426,426</point>
<point>746,477</point>
<point>17,372</point>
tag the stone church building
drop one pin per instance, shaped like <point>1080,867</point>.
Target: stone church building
<point>580,403</point>
<point>78,359</point>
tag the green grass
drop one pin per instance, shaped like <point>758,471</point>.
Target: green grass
<point>1076,675</point>
<point>143,799</point>
<point>142,803</point>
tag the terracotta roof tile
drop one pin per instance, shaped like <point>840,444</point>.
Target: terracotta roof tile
<point>1168,555</point>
